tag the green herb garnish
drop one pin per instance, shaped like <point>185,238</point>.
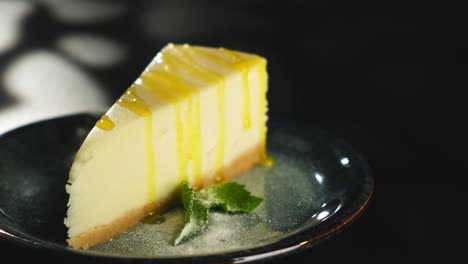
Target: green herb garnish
<point>230,197</point>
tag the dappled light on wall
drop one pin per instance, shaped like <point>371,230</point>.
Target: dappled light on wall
<point>47,85</point>
<point>56,67</point>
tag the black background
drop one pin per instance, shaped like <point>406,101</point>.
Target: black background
<point>386,77</point>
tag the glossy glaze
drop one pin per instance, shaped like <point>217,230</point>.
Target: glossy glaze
<point>164,80</point>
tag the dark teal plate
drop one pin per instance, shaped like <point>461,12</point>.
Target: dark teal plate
<point>317,186</point>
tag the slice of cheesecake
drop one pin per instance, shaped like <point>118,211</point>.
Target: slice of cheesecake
<point>195,114</point>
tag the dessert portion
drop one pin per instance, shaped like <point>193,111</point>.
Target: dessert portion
<point>196,114</point>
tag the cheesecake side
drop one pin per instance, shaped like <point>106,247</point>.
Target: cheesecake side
<point>209,129</point>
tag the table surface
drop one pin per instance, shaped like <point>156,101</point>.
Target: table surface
<point>382,78</point>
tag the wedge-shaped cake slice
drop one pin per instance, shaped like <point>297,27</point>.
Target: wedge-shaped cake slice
<point>195,114</point>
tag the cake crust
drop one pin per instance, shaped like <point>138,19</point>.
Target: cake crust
<point>105,232</point>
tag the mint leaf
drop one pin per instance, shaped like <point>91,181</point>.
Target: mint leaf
<point>230,197</point>
<point>196,215</point>
<point>187,195</point>
<point>196,220</point>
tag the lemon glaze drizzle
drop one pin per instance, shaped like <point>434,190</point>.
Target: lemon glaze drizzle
<point>196,137</point>
<point>190,138</point>
<point>198,70</point>
<point>191,141</point>
<point>218,80</point>
<point>131,101</point>
<point>105,123</point>
<point>246,122</point>
<point>169,88</point>
<point>260,64</point>
<point>193,135</point>
<point>181,159</point>
<point>191,146</point>
<point>195,69</point>
<point>221,96</point>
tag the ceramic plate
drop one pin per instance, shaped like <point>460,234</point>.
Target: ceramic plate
<point>317,186</point>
